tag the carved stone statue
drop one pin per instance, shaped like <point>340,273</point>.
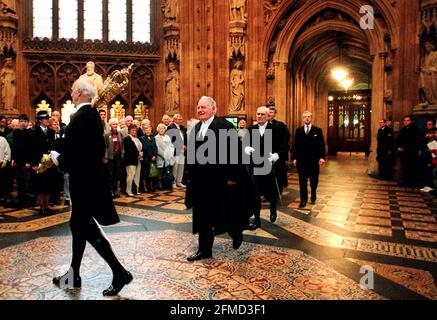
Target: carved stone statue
<point>237,87</point>
<point>428,75</point>
<point>172,90</point>
<point>8,86</point>
<point>238,10</point>
<point>171,10</point>
<point>93,76</point>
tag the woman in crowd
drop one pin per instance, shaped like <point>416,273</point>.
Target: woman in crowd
<point>133,156</point>
<point>116,156</point>
<point>150,153</point>
<point>165,159</point>
<point>44,138</point>
<point>144,124</point>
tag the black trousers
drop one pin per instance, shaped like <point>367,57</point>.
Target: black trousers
<point>115,172</point>
<point>385,166</point>
<point>206,238</point>
<point>86,229</point>
<point>24,185</point>
<point>308,169</point>
<point>409,166</point>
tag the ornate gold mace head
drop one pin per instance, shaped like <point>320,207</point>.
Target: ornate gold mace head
<point>113,86</point>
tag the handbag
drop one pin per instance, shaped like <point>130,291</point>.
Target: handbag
<point>167,178</point>
<point>154,171</point>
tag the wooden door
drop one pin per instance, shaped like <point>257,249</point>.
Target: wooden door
<point>349,122</point>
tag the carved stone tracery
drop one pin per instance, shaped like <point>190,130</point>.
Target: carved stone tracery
<point>237,56</point>
<point>170,9</point>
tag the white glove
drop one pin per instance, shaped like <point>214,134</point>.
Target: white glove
<point>249,150</point>
<point>273,157</point>
<point>54,156</point>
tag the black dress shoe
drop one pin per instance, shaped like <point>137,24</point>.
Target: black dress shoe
<point>236,243</point>
<point>273,216</point>
<point>303,204</point>
<point>118,283</point>
<point>45,213</point>
<point>254,226</point>
<point>199,255</point>
<point>64,281</point>
<point>313,198</point>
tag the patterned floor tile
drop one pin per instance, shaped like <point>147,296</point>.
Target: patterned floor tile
<point>22,213</point>
<point>374,213</point>
<point>150,203</point>
<point>166,198</point>
<point>336,210</point>
<point>375,206</point>
<point>420,226</point>
<point>175,206</point>
<point>32,226</point>
<point>417,280</point>
<point>412,204</point>
<point>418,217</point>
<point>374,221</point>
<point>158,264</point>
<point>128,199</point>
<point>414,210</point>
<point>421,235</point>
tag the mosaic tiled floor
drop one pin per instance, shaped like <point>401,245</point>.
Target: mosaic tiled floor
<point>314,253</point>
<point>158,263</point>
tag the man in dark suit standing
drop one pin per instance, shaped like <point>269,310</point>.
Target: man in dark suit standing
<point>385,153</point>
<point>180,144</point>
<point>213,186</point>
<point>84,151</point>
<point>309,155</point>
<point>408,147</point>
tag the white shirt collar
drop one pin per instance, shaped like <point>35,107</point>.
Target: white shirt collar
<point>262,128</point>
<point>81,105</point>
<point>208,122</point>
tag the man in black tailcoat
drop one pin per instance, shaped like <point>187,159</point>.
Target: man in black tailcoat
<point>309,155</point>
<point>214,187</point>
<point>267,184</point>
<point>385,153</point>
<point>84,150</point>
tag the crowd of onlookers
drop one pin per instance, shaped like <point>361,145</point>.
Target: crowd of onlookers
<point>139,158</point>
<point>416,150</point>
<point>142,158</point>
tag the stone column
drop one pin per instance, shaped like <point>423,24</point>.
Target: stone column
<point>237,56</point>
<point>170,9</point>
<point>377,108</point>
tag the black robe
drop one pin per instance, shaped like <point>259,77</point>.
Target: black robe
<point>84,150</point>
<point>215,203</point>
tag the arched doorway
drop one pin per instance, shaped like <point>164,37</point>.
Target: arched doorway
<point>312,38</point>
<point>349,121</point>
